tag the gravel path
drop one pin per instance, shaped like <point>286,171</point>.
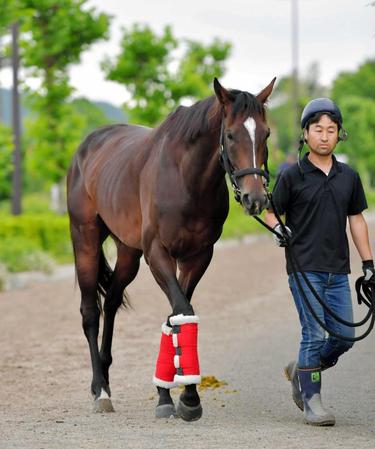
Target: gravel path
<point>248,332</point>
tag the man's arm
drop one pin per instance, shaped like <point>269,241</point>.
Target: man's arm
<point>270,219</point>
<point>359,231</point>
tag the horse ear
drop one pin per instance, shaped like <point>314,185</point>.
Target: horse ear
<point>266,92</point>
<point>222,94</point>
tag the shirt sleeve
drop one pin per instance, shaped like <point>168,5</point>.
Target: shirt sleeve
<point>357,202</point>
<point>281,193</point>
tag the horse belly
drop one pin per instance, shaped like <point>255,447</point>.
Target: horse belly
<point>125,224</point>
<point>192,238</point>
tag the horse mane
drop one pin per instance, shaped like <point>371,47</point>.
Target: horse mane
<point>187,124</point>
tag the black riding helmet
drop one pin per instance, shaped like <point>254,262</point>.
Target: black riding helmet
<point>320,105</point>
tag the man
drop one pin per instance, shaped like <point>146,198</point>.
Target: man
<point>318,195</point>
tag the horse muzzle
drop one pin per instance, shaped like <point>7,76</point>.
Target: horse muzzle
<point>254,204</point>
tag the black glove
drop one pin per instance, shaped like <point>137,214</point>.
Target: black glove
<point>368,271</point>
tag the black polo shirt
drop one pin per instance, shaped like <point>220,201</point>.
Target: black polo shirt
<point>316,207</point>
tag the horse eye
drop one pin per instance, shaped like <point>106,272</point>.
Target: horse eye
<point>230,136</point>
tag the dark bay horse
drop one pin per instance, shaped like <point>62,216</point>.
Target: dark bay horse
<point>161,193</point>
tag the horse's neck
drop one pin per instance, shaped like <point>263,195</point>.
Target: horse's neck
<point>200,166</point>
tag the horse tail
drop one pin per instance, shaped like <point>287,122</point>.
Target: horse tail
<point>105,274</point>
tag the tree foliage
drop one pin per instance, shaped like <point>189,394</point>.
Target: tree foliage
<point>6,148</point>
<point>56,32</point>
<point>160,70</point>
<point>360,83</point>
<point>355,94</point>
<point>9,12</point>
<point>282,114</point>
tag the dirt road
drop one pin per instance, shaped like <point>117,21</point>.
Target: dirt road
<point>248,332</point>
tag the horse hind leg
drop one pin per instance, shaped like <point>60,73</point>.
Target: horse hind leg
<point>87,237</point>
<point>126,269</point>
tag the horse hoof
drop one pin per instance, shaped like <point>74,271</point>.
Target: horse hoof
<point>188,413</point>
<point>103,406</point>
<point>165,411</point>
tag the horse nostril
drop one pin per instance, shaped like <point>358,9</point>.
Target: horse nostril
<point>246,200</point>
<point>253,205</point>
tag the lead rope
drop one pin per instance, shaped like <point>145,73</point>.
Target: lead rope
<point>365,291</point>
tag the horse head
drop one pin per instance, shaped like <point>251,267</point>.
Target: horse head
<point>244,134</point>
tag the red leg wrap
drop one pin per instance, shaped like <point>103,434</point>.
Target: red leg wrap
<point>185,341</point>
<point>165,369</point>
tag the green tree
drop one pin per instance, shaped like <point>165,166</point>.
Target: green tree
<point>6,148</point>
<point>160,70</point>
<point>359,120</point>
<point>281,110</point>
<point>55,33</point>
<point>355,94</point>
<point>360,83</point>
<point>9,12</point>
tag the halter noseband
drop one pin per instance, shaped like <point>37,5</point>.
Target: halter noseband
<point>233,174</point>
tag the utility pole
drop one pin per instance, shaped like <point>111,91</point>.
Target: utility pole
<point>295,90</point>
<point>16,178</point>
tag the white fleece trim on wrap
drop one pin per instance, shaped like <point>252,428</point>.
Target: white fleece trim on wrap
<point>183,319</point>
<point>166,329</point>
<point>176,361</point>
<point>163,383</point>
<point>175,340</point>
<point>187,380</point>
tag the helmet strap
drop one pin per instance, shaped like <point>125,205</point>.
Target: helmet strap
<point>300,148</point>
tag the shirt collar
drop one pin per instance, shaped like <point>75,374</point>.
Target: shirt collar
<point>308,167</point>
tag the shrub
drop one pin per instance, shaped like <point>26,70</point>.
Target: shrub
<point>24,255</point>
<point>31,241</point>
<point>3,277</point>
<point>46,232</point>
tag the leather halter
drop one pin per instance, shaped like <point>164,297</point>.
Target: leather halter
<point>233,174</point>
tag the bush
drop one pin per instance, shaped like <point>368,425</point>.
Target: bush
<point>24,255</point>
<point>3,277</point>
<point>35,239</point>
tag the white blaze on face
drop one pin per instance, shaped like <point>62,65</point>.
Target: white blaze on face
<point>250,125</point>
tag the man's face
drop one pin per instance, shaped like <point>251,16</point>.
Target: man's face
<point>322,136</point>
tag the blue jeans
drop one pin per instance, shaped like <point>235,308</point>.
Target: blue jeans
<point>315,348</point>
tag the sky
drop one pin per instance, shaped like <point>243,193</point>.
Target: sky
<point>338,34</point>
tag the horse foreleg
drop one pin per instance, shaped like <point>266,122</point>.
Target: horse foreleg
<point>163,268</point>
<point>191,272</point>
<point>126,269</point>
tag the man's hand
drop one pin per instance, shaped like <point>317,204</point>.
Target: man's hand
<point>282,241</point>
<point>368,271</point>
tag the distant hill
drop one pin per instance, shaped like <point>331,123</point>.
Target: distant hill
<point>113,113</point>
